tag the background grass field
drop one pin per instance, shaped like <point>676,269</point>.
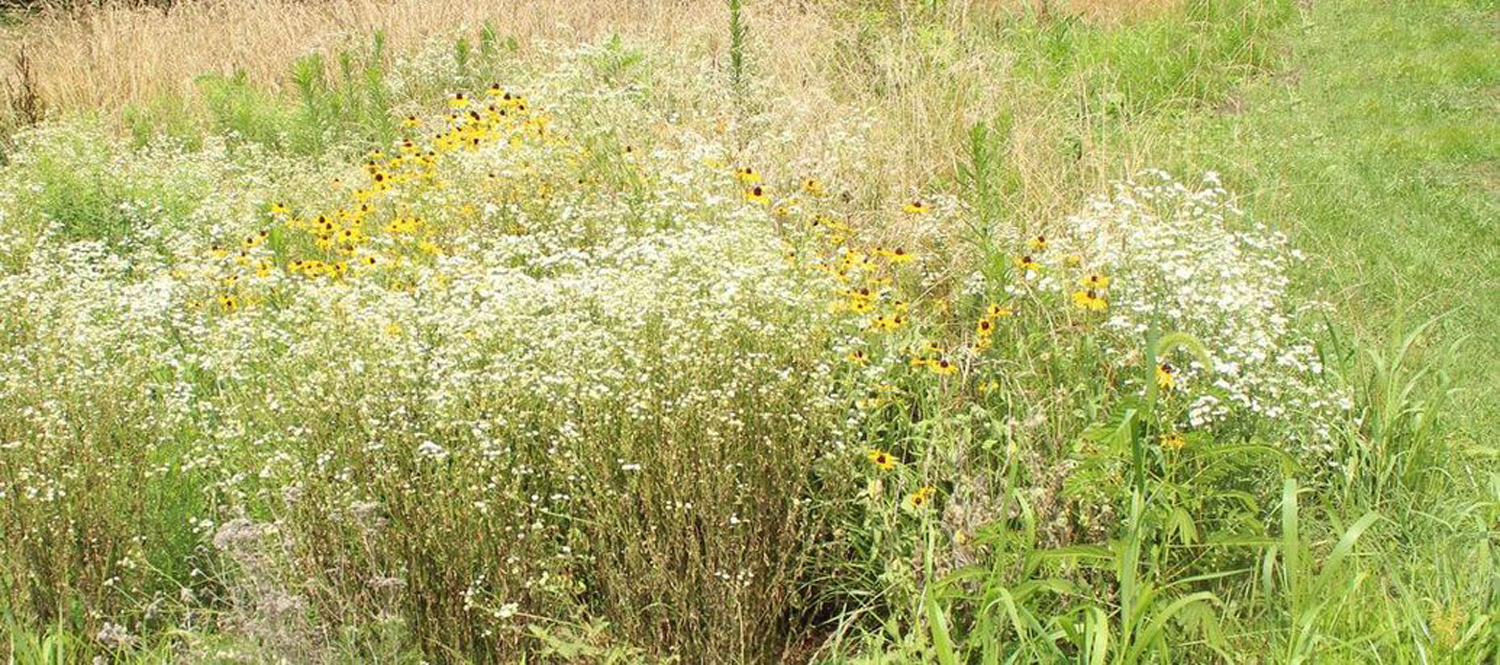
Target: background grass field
<point>1368,132</point>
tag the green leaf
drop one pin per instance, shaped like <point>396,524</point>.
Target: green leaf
<point>941,641</point>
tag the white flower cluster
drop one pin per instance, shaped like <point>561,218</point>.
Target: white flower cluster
<point>1187,260</point>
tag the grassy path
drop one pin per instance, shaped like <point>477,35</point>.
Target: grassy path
<point>1377,148</point>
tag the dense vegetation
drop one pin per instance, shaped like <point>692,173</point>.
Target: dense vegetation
<point>858,332</point>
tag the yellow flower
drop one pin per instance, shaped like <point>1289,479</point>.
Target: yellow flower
<point>984,328</point>
<point>278,208</point>
<point>919,499</point>
<point>1165,379</point>
<point>1173,441</point>
<point>943,367</point>
<point>813,187</point>
<point>883,323</point>
<point>1089,300</point>
<point>1038,243</point>
<point>858,357</point>
<point>1028,264</point>
<point>897,255</point>
<point>882,459</point>
<point>916,208</point>
<point>228,302</point>
<point>989,386</point>
<point>495,90</point>
<point>747,176</point>
<point>1096,281</point>
<point>995,311</point>
<point>757,194</point>
<point>459,100</point>
<point>1073,259</point>
<point>410,121</point>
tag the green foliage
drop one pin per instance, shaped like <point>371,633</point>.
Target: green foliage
<point>615,64</point>
<point>737,35</point>
<point>1166,62</point>
<point>170,116</point>
<point>332,103</point>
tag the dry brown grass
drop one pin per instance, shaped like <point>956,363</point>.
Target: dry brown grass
<point>120,53</point>
<point>116,55</point>
<point>923,88</point>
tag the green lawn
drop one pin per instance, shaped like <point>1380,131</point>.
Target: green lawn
<point>1376,146</point>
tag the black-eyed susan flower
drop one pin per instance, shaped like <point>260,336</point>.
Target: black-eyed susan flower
<point>1173,441</point>
<point>1166,378</point>
<point>995,311</point>
<point>916,208</point>
<point>813,187</point>
<point>279,209</point>
<point>411,121</point>
<point>897,256</point>
<point>858,357</point>
<point>920,499</point>
<point>1096,281</point>
<point>747,175</point>
<point>1037,243</point>
<point>1089,299</point>
<point>1028,264</point>
<point>942,366</point>
<point>881,459</point>
<point>458,100</point>
<point>984,328</point>
<point>757,194</point>
<point>229,303</point>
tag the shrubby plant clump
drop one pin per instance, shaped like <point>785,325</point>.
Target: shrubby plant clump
<point>547,375</point>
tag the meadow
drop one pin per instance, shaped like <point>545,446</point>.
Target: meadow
<point>856,331</point>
